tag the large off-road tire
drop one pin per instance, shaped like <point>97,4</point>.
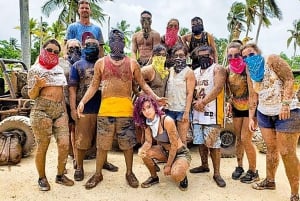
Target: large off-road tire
<point>228,139</point>
<point>20,124</point>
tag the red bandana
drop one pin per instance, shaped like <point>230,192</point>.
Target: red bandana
<point>171,36</point>
<point>47,59</point>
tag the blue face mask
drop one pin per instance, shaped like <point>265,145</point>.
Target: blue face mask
<point>91,53</point>
<point>256,66</point>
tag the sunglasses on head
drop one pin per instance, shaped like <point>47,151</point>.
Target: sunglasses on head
<point>52,51</point>
<point>230,56</point>
<point>249,55</point>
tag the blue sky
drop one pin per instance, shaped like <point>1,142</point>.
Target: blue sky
<point>213,13</point>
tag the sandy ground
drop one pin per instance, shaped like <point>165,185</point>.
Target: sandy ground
<point>20,183</point>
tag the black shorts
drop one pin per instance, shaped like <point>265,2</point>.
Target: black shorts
<point>239,113</point>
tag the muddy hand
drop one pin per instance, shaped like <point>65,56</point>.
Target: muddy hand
<point>80,109</point>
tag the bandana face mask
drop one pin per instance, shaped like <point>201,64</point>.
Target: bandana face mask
<point>117,45</point>
<point>197,29</point>
<point>146,26</point>
<point>171,36</point>
<point>47,59</point>
<point>158,63</point>
<point>237,65</point>
<point>180,64</point>
<point>205,61</point>
<point>74,55</point>
<point>256,65</point>
<point>91,52</point>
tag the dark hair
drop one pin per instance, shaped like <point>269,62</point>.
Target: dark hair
<point>202,48</point>
<point>52,41</point>
<point>157,48</point>
<point>196,19</point>
<point>138,116</point>
<point>173,19</point>
<point>179,47</point>
<point>146,12</point>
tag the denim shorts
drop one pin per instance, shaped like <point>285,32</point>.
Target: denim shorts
<point>290,125</point>
<point>207,134</point>
<point>177,116</point>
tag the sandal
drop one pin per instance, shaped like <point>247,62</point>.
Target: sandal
<point>150,181</point>
<point>110,167</point>
<point>265,184</point>
<point>294,198</point>
<point>199,169</point>
<point>132,180</point>
<point>219,180</point>
<point>93,181</point>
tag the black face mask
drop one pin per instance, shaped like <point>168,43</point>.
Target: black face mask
<point>179,64</point>
<point>91,53</point>
<point>205,62</point>
<point>74,55</point>
<point>197,29</point>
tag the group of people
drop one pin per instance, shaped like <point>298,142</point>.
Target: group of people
<point>172,95</point>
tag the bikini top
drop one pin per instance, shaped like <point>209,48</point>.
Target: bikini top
<point>163,137</point>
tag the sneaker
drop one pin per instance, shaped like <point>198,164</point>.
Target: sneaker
<point>265,184</point>
<point>150,181</point>
<point>250,177</point>
<point>199,169</point>
<point>64,180</point>
<point>132,180</point>
<point>219,180</point>
<point>43,184</point>
<point>237,173</point>
<point>93,181</point>
<point>294,198</point>
<point>183,185</point>
<point>78,175</point>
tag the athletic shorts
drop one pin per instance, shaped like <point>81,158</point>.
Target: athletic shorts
<point>291,125</point>
<point>120,128</point>
<point>207,134</point>
<point>85,131</point>
<point>239,113</point>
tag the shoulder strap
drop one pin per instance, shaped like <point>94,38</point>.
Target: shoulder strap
<point>163,122</point>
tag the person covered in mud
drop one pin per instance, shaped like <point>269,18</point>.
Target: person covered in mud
<point>115,71</point>
<point>46,81</point>
<point>238,107</point>
<point>81,74</point>
<point>198,38</point>
<point>144,40</point>
<point>169,148</point>
<point>274,101</point>
<point>171,39</point>
<point>73,54</point>
<point>179,91</point>
<point>208,112</point>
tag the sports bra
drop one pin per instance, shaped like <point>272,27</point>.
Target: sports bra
<point>163,137</point>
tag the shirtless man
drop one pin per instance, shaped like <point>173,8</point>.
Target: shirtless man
<point>144,40</point>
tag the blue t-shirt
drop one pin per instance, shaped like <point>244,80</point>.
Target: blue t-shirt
<point>81,75</point>
<point>80,32</point>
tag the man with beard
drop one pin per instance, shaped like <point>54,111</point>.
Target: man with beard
<point>144,40</point>
<point>179,92</point>
<point>115,71</point>
<point>170,39</point>
<point>208,111</point>
<point>199,38</point>
<point>81,74</point>
<point>84,28</point>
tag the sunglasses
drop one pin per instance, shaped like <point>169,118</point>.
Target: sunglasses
<point>249,55</point>
<point>203,55</point>
<point>52,51</point>
<point>230,56</point>
<point>89,44</point>
<point>181,56</point>
<point>74,48</point>
<point>160,54</point>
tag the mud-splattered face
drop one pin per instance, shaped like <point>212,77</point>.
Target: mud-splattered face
<point>146,21</point>
<point>148,110</point>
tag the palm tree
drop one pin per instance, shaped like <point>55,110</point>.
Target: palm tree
<point>250,12</point>
<point>57,31</point>
<point>236,18</point>
<point>183,31</point>
<point>124,27</point>
<point>25,37</point>
<point>295,35</point>
<point>266,9</point>
<point>69,9</point>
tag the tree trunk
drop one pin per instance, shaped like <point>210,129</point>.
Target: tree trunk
<point>25,35</point>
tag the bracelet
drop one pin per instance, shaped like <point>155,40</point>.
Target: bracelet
<point>286,103</point>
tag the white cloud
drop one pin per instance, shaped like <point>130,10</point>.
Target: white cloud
<point>213,13</point>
